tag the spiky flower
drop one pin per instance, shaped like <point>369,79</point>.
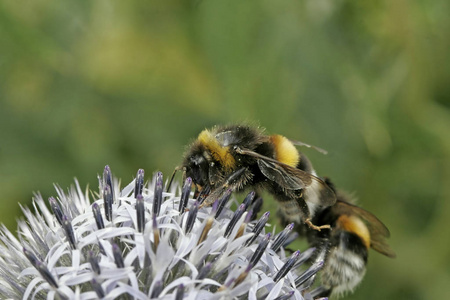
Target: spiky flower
<point>141,242</point>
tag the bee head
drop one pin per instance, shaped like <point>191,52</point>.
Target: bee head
<point>196,166</point>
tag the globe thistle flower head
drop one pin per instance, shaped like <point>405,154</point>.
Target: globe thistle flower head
<point>140,242</point>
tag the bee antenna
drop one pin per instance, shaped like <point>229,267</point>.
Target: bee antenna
<point>301,144</point>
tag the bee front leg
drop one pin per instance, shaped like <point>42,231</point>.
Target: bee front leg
<point>235,179</point>
<point>212,197</point>
<point>233,182</point>
<point>179,168</point>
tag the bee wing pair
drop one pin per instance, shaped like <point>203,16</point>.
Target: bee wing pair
<point>378,231</point>
<point>290,178</point>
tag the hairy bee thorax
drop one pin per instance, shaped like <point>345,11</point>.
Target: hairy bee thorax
<point>219,153</point>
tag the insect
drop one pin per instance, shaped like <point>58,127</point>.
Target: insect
<point>353,231</point>
<point>239,156</point>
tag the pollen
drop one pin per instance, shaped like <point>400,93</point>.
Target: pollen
<point>285,151</point>
<point>355,225</point>
<point>219,153</point>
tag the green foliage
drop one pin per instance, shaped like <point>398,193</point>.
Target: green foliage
<point>127,83</point>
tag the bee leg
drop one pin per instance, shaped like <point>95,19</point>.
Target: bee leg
<point>196,192</point>
<point>256,205</point>
<point>233,178</point>
<point>307,215</point>
<point>204,193</point>
<point>184,175</point>
<point>232,183</point>
<point>209,199</point>
<point>315,227</point>
<point>173,176</point>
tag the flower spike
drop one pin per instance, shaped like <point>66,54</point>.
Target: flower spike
<point>181,256</point>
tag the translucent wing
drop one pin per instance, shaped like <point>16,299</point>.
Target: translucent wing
<point>290,178</point>
<point>280,175</point>
<point>378,231</point>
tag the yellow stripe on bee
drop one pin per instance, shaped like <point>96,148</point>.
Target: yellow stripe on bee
<point>285,151</point>
<point>355,225</point>
<point>219,153</point>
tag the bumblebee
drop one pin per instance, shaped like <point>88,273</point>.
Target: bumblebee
<point>353,231</point>
<point>238,156</point>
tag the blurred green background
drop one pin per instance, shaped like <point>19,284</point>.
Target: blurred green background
<point>127,83</point>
